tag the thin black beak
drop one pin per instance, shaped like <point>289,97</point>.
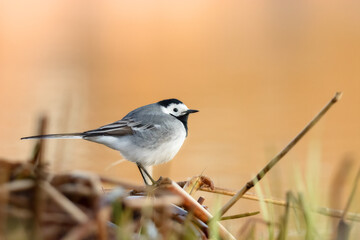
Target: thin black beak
<point>191,111</point>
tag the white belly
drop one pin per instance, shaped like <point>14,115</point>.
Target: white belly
<point>162,154</point>
<point>146,156</point>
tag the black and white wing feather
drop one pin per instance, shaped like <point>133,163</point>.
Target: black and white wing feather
<point>120,128</point>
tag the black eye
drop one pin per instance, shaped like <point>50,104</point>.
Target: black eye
<point>175,109</point>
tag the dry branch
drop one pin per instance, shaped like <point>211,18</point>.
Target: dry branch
<point>279,156</point>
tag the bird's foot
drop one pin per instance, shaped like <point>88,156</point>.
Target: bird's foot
<point>158,181</point>
<point>153,182</point>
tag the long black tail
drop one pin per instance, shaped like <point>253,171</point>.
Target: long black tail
<point>58,136</point>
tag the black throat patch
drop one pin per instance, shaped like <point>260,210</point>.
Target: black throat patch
<point>184,119</point>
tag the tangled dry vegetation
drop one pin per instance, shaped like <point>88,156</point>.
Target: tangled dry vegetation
<point>35,204</point>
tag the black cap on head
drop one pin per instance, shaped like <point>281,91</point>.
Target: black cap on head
<point>167,102</point>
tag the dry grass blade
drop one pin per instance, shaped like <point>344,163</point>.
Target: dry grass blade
<point>38,165</point>
<point>19,185</point>
<point>242,215</point>
<point>339,180</point>
<point>321,210</point>
<point>279,156</point>
<point>285,219</point>
<point>338,214</point>
<point>343,227</point>
<point>228,192</point>
<point>357,178</point>
<point>343,230</point>
<point>39,147</point>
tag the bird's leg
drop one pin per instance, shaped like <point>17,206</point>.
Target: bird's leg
<point>148,175</point>
<point>142,174</point>
<point>142,171</point>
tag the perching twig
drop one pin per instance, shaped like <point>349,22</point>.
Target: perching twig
<point>281,154</point>
<point>192,205</point>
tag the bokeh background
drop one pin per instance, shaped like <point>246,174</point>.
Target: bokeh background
<point>258,71</point>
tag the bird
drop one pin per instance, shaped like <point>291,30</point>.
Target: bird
<point>148,135</point>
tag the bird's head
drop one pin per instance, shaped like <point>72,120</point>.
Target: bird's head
<point>175,108</point>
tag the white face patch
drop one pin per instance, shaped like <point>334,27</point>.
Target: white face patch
<point>175,109</point>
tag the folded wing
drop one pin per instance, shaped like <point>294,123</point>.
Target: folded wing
<point>119,128</point>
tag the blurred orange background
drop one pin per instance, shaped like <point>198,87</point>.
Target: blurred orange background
<point>258,71</point>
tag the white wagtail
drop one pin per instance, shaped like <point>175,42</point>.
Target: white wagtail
<point>147,136</point>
